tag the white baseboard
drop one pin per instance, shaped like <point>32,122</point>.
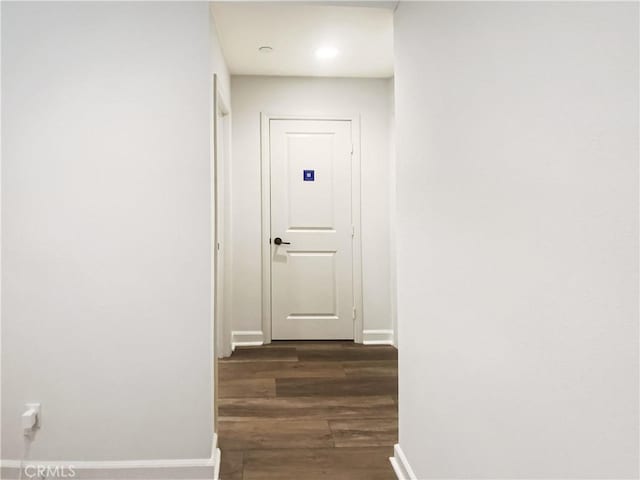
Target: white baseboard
<point>170,469</point>
<point>216,456</point>
<point>377,337</point>
<point>246,338</point>
<point>400,465</point>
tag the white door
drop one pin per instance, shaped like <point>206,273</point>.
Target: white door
<point>311,214</point>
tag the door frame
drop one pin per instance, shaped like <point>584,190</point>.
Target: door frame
<point>220,343</point>
<point>220,164</point>
<point>356,210</point>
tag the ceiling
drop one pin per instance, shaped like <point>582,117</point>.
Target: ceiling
<point>362,36</point>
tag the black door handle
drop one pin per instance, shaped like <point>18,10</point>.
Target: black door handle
<point>278,241</point>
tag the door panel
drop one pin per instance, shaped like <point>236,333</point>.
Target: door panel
<point>310,203</point>
<point>319,270</point>
<point>311,278</point>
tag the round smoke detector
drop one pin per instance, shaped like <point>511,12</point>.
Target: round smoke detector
<point>265,49</point>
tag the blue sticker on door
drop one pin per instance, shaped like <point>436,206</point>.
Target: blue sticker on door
<point>309,175</point>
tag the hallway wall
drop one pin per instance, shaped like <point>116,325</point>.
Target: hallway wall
<point>371,98</point>
<point>517,178</point>
<point>106,285</point>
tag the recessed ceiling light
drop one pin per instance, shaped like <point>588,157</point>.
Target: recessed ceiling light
<point>324,53</point>
<point>265,49</point>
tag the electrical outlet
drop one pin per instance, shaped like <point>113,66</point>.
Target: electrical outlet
<point>32,417</point>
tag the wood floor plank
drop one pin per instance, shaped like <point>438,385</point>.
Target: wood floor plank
<point>376,368</point>
<point>243,370</point>
<point>319,464</point>
<point>262,354</point>
<point>377,352</point>
<point>246,388</point>
<point>231,465</point>
<point>308,411</point>
<point>377,432</point>
<point>355,386</point>
<point>274,434</point>
<point>315,407</point>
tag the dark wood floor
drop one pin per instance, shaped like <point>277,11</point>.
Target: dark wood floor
<point>307,411</point>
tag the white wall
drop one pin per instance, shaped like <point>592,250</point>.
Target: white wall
<point>369,98</point>
<point>218,63</point>
<point>517,134</point>
<point>106,229</point>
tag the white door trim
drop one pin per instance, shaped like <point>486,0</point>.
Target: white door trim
<point>265,172</point>
<point>219,161</point>
<point>220,341</point>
